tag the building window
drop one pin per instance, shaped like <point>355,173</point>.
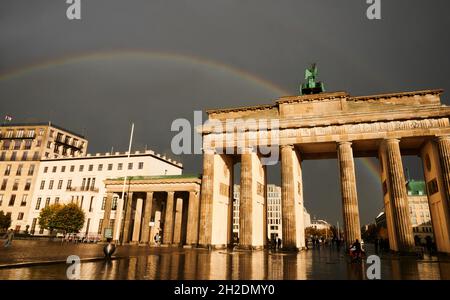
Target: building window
<point>72,168</point>
<point>110,166</point>
<point>47,202</point>
<point>83,184</point>
<point>8,170</point>
<point>130,166</point>
<point>38,203</point>
<point>93,184</point>
<point>24,156</point>
<point>42,184</point>
<point>6,145</point>
<point>141,165</point>
<point>30,133</point>
<point>81,168</point>
<point>100,167</point>
<point>24,200</point>
<point>119,166</point>
<point>88,184</point>
<point>45,169</point>
<point>60,183</point>
<point>13,156</point>
<point>103,203</point>
<point>27,185</point>
<point>31,170</point>
<point>17,145</point>
<point>27,145</point>
<point>63,169</point>
<point>1,199</point>
<point>12,200</point>
<point>15,185</point>
<point>33,226</point>
<point>19,170</point>
<point>20,216</point>
<point>4,184</point>
<point>90,203</point>
<point>69,184</point>
<point>91,167</point>
<point>50,184</point>
<point>54,169</point>
<point>49,145</point>
<point>57,200</point>
<point>36,155</point>
<point>114,203</point>
<point>3,156</point>
<point>100,224</point>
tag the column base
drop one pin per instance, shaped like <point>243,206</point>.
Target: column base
<point>190,246</point>
<point>249,247</point>
<point>212,247</point>
<point>290,249</point>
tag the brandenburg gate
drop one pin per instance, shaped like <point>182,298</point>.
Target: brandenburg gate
<point>323,126</point>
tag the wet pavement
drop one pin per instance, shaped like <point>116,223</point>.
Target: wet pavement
<point>177,263</point>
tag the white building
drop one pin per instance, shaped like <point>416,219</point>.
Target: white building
<point>274,219</point>
<point>81,180</point>
<point>320,224</point>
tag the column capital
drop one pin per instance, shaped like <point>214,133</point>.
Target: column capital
<point>209,150</point>
<point>392,141</point>
<point>344,143</point>
<point>442,138</point>
<point>290,146</point>
<point>246,150</point>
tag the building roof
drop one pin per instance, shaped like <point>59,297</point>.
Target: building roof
<point>41,124</point>
<point>416,187</point>
<point>160,177</point>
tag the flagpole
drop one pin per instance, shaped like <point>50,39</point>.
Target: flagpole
<point>120,205</point>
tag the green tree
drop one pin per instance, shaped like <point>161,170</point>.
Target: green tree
<point>47,217</point>
<point>5,221</point>
<point>70,218</point>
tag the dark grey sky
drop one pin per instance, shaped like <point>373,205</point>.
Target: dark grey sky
<point>271,40</point>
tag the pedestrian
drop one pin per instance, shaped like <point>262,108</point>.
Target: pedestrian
<point>279,243</point>
<point>9,238</point>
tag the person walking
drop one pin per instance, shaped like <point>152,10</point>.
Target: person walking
<point>9,238</point>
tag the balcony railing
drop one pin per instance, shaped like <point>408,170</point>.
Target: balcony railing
<point>82,189</point>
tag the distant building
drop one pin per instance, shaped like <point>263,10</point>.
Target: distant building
<point>320,224</point>
<point>419,212</point>
<point>274,220</point>
<point>22,146</point>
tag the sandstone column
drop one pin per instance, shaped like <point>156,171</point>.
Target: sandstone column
<point>145,227</point>
<point>193,218</point>
<point>127,220</point>
<point>178,221</point>
<point>205,227</point>
<point>350,209</point>
<point>107,215</point>
<point>399,196</point>
<point>137,220</point>
<point>292,222</point>
<point>245,204</point>
<point>443,143</point>
<point>287,198</point>
<point>168,220</point>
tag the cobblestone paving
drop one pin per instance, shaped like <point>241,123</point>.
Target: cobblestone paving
<point>177,263</point>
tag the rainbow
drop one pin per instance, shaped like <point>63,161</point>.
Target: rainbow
<point>161,56</point>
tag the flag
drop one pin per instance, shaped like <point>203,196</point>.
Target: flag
<point>8,118</point>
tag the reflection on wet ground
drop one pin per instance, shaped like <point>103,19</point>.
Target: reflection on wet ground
<point>176,263</point>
